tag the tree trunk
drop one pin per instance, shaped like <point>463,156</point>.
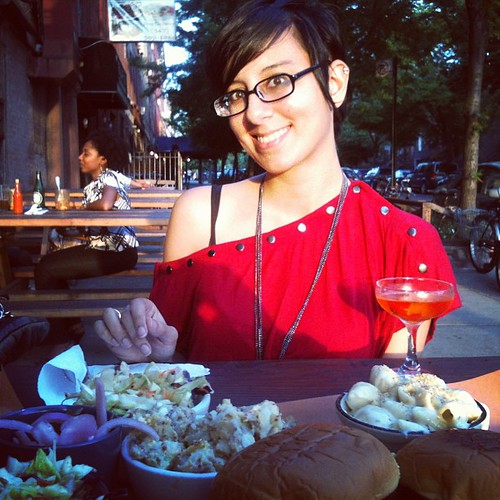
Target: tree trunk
<point>477,50</point>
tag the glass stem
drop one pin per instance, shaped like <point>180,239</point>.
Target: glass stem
<point>411,364</point>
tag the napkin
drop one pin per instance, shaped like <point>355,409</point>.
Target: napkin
<point>35,210</point>
<point>65,373</point>
<point>62,375</point>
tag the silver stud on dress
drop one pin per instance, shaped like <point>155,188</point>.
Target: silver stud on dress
<point>356,189</point>
<point>330,210</point>
<point>422,268</point>
<point>302,227</point>
<point>384,210</point>
<point>412,231</point>
<point>271,238</point>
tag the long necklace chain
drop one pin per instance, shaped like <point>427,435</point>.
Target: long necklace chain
<point>259,342</point>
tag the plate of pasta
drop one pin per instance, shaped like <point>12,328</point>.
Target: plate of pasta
<point>397,408</point>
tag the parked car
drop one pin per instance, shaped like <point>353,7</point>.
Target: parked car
<point>401,173</point>
<point>351,173</point>
<point>489,179</point>
<point>378,178</point>
<point>428,176</point>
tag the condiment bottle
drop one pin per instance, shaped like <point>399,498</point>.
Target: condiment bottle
<point>39,191</point>
<point>17,197</point>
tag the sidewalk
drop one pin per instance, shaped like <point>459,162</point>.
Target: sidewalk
<point>474,329</point>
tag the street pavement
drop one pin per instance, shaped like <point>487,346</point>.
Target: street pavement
<point>474,329</point>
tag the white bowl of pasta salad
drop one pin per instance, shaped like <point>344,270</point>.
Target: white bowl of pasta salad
<point>397,409</point>
<point>192,449</point>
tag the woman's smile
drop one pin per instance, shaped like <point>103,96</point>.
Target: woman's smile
<point>272,138</point>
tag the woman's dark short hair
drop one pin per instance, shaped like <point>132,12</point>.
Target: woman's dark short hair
<point>258,24</point>
<point>112,147</point>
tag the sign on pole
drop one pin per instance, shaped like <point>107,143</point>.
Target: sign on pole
<point>141,20</point>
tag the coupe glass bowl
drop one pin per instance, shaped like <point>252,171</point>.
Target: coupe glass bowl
<point>154,483</point>
<point>395,439</point>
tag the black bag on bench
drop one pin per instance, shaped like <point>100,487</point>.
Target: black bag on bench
<point>19,334</point>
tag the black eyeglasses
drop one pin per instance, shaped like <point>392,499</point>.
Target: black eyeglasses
<point>271,89</point>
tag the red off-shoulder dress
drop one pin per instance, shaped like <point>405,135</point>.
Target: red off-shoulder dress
<point>209,295</point>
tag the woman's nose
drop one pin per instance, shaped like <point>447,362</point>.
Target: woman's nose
<point>257,109</point>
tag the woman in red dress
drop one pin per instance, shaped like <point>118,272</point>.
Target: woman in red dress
<point>284,264</point>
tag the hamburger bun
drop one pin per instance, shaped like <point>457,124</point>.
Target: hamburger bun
<point>456,463</point>
<point>316,461</point>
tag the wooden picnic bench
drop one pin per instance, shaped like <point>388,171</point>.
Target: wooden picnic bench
<point>150,226</point>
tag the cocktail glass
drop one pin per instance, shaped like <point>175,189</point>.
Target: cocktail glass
<point>413,301</point>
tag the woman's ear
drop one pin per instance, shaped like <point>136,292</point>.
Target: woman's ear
<point>338,80</point>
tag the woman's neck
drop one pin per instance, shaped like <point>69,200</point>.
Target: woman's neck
<point>298,195</point>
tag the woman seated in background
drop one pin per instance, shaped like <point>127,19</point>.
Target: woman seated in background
<point>282,265</point>
<point>104,250</point>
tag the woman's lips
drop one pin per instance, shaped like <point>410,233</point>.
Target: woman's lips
<point>269,139</point>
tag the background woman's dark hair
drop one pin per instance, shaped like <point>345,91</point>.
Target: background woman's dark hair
<point>258,24</point>
<point>112,147</point>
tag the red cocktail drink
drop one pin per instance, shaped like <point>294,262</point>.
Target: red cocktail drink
<point>413,301</point>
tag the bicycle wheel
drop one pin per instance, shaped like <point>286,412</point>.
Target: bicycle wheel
<point>447,228</point>
<point>482,245</point>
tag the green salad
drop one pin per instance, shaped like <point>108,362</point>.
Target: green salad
<point>42,477</point>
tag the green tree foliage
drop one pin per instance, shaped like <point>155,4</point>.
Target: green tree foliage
<point>430,41</point>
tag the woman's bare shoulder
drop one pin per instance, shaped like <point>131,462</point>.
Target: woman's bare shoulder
<point>190,222</point>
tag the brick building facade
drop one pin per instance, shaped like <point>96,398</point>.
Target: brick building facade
<point>59,80</point>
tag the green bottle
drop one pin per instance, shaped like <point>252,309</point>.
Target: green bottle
<point>39,191</point>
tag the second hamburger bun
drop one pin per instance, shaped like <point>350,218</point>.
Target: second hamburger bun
<point>452,464</point>
<point>316,461</point>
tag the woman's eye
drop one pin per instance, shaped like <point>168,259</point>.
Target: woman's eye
<point>235,96</point>
<point>278,81</point>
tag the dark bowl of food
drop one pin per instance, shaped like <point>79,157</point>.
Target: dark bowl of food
<point>74,431</point>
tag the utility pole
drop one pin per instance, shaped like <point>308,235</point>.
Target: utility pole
<point>394,120</point>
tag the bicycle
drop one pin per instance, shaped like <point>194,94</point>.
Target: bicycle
<point>400,189</point>
<point>484,242</point>
<point>447,220</point>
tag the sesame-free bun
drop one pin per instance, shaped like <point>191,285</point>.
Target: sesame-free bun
<point>316,461</point>
<point>452,464</point>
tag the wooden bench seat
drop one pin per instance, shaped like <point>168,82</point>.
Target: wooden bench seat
<point>141,269</point>
<point>78,294</point>
<point>65,308</point>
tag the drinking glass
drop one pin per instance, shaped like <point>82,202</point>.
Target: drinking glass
<point>413,301</point>
<point>62,200</point>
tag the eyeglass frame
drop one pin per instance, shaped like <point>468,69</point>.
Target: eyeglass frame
<point>293,78</point>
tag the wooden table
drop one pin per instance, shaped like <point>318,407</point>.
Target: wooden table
<point>77,218</point>
<point>293,384</point>
<point>249,382</point>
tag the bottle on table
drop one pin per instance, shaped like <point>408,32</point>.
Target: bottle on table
<point>39,191</point>
<point>17,199</point>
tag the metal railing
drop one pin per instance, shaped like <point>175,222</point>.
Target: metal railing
<point>160,168</point>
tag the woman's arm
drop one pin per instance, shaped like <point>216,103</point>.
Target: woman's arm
<point>140,184</point>
<point>398,346</point>
<point>189,225</point>
<point>107,200</point>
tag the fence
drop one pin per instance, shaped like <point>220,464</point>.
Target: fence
<point>162,168</point>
